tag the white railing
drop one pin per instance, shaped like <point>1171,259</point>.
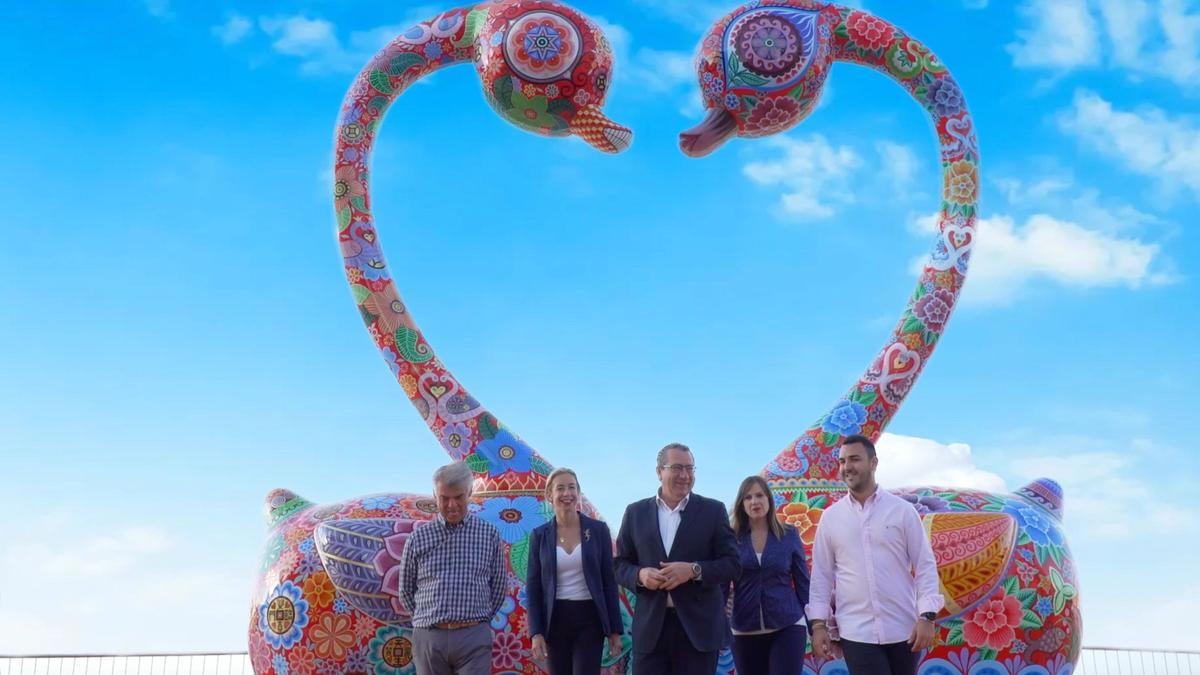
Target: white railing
<point>1119,661</point>
<point>1093,661</point>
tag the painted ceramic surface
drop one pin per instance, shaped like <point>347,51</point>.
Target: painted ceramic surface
<point>1008,577</point>
<point>326,596</point>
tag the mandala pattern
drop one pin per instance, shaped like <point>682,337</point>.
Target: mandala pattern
<point>541,46</point>
<point>768,44</point>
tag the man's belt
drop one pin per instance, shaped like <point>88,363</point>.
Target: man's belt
<point>455,625</point>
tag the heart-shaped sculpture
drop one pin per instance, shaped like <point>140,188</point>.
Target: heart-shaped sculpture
<point>326,596</point>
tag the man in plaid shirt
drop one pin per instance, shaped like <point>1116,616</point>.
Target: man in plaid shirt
<point>452,581</point>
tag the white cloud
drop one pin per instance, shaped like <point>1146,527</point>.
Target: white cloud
<point>1159,38</point>
<point>73,586</point>
<point>909,461</point>
<point>235,29</point>
<point>814,174</point>
<point>300,36</point>
<point>1091,479</point>
<point>316,44</point>
<point>899,163</point>
<point>818,178</point>
<point>1008,258</point>
<point>158,8</point>
<point>692,14</point>
<point>93,556</point>
<point>1063,35</point>
<point>1147,141</point>
<point>653,73</point>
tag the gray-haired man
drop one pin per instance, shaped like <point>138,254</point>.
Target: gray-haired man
<point>452,580</point>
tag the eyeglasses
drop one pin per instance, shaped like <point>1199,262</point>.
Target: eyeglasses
<point>680,468</point>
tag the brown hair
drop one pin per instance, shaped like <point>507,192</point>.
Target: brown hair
<point>740,520</point>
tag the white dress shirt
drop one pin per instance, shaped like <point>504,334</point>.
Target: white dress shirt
<point>668,525</point>
<point>874,560</point>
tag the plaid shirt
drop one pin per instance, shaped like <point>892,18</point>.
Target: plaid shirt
<point>452,572</point>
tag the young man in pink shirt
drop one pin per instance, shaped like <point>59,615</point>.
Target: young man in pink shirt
<point>872,562</point>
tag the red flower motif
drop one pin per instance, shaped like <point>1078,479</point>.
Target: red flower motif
<point>867,31</point>
<point>993,624</point>
<point>506,651</point>
<point>772,114</point>
<point>933,309</point>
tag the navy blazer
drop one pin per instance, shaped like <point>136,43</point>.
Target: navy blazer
<point>541,578</point>
<point>777,587</point>
<point>704,537</point>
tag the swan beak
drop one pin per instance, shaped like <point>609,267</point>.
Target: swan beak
<point>718,126</point>
<point>605,135</point>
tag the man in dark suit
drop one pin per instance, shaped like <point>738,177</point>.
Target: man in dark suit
<point>677,552</point>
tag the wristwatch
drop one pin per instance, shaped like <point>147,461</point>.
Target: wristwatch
<point>929,616</point>
<point>696,570</point>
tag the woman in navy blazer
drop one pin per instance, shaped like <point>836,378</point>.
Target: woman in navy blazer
<point>769,633</point>
<point>570,585</point>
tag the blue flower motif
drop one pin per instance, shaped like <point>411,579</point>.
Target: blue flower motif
<point>356,661</point>
<point>938,667</point>
<point>433,49</point>
<point>341,606</point>
<point>375,651</point>
<point>378,503</point>
<point>1035,523</point>
<point>835,667</point>
<point>505,453</point>
<point>365,256</point>
<point>1044,607</point>
<point>945,97</point>
<point>283,616</point>
<point>307,566</point>
<point>456,439</point>
<point>514,517</point>
<point>280,664</point>
<point>846,418</point>
<point>543,43</point>
<point>501,619</point>
<point>306,546</point>
<point>725,662</point>
<point>732,101</point>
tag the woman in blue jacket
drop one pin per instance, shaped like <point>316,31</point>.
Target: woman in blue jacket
<point>769,633</point>
<point>570,585</point>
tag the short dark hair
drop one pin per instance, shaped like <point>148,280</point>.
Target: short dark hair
<point>662,454</point>
<point>861,440</point>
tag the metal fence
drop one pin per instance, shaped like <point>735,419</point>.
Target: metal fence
<point>1093,661</point>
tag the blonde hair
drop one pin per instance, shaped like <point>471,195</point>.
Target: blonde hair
<point>560,471</point>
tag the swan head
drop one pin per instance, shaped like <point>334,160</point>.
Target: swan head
<point>546,68</point>
<point>761,68</point>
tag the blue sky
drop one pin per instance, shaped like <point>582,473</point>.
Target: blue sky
<point>179,337</point>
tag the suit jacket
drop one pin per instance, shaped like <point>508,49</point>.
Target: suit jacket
<point>542,574</point>
<point>771,593</point>
<point>704,537</point>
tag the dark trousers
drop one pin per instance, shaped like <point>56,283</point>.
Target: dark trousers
<point>674,654</point>
<point>863,658</point>
<point>575,638</point>
<point>777,653</point>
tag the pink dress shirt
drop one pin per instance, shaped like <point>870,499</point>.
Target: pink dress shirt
<point>873,562</point>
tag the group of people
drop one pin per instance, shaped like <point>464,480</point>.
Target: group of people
<point>872,596</point>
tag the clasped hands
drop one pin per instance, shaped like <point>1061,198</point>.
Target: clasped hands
<point>668,576</point>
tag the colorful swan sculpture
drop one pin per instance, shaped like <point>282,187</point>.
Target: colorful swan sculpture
<point>1007,575</point>
<point>326,601</point>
